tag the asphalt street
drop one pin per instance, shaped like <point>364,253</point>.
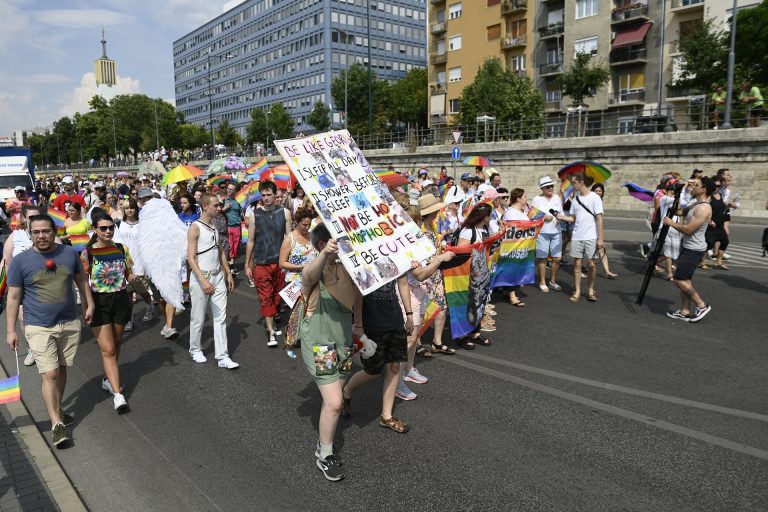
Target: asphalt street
<point>576,407</point>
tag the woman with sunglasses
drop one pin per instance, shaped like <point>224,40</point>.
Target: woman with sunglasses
<point>108,266</point>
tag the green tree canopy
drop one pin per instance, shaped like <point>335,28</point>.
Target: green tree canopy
<point>357,97</point>
<point>583,79</point>
<point>502,94</point>
<point>227,135</point>
<point>409,98</point>
<point>320,117</point>
<point>752,43</point>
<point>193,136</point>
<point>275,123</point>
<point>705,57</point>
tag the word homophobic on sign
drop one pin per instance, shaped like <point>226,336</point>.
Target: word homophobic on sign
<point>377,239</point>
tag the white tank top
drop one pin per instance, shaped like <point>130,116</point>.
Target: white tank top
<point>207,248</point>
<point>21,241</point>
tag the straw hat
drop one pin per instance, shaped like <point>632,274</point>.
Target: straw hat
<point>429,204</point>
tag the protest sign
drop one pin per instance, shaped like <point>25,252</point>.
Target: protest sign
<point>291,293</point>
<point>514,263</point>
<point>377,239</point>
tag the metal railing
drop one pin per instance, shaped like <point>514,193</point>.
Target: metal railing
<point>438,58</point>
<point>551,68</point>
<point>627,14</point>
<point>514,41</point>
<point>552,30</point>
<point>513,6</point>
<point>438,89</point>
<point>629,96</point>
<point>680,4</point>
<point>438,27</point>
<point>625,55</point>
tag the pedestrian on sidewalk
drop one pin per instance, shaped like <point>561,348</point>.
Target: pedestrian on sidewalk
<point>211,281</point>
<point>41,279</point>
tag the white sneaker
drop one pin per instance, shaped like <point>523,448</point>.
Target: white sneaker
<point>272,342</point>
<point>106,386</point>
<point>415,377</point>
<point>726,256</point>
<point>278,332</point>
<point>544,288</point>
<point>30,359</point>
<point>228,364</point>
<point>129,326</point>
<point>121,405</point>
<point>403,393</point>
<point>251,284</point>
<point>149,313</point>
<point>198,357</point>
<point>555,286</point>
<point>170,333</point>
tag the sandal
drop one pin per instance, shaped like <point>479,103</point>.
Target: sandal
<point>424,352</point>
<point>443,349</point>
<point>720,267</point>
<point>466,344</point>
<point>482,340</point>
<point>591,296</point>
<point>575,297</point>
<point>395,424</point>
<point>704,266</point>
<point>611,275</point>
<point>519,303</point>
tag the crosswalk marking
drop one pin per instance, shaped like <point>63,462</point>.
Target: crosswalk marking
<point>746,255</point>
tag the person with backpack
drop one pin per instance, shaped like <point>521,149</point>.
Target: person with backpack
<point>108,266</point>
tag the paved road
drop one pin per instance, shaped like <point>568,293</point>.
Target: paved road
<point>593,407</point>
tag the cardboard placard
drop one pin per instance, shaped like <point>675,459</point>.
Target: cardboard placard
<point>291,293</point>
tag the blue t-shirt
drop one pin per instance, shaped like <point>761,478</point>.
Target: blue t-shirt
<point>47,294</point>
<point>189,218</point>
<point>233,215</point>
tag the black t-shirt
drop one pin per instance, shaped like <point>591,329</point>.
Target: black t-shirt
<point>123,190</point>
<point>381,309</point>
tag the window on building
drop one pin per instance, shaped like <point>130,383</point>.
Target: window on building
<point>686,27</point>
<point>632,81</point>
<point>554,56</point>
<point>517,63</point>
<point>454,43</point>
<point>453,106</point>
<point>553,95</point>
<point>441,15</point>
<point>454,11</point>
<point>493,32</point>
<point>440,47</point>
<point>625,125</point>
<point>454,74</point>
<point>586,8</point>
<point>517,28</point>
<point>588,46</point>
<point>441,77</point>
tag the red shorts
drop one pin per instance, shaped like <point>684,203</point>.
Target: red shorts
<point>269,280</point>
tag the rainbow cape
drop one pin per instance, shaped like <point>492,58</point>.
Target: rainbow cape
<point>79,241</point>
<point>515,261</point>
<point>430,313</point>
<point>10,390</point>
<point>58,216</point>
<point>467,282</point>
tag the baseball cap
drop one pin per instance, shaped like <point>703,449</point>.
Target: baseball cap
<point>454,195</point>
<point>19,188</point>
<point>99,184</point>
<point>467,176</point>
<point>145,192</point>
<point>67,180</point>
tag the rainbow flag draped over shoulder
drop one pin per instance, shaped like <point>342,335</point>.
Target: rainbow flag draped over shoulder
<point>10,390</point>
<point>467,282</point>
<point>79,241</point>
<point>244,232</point>
<point>515,261</point>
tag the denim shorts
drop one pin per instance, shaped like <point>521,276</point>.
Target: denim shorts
<point>549,244</point>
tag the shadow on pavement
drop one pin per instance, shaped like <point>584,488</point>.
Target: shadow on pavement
<point>739,282</point>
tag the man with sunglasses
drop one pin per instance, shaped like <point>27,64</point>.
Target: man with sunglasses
<point>69,195</point>
<point>41,280</point>
<point>549,243</point>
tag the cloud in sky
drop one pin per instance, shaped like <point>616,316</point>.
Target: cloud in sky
<point>41,78</point>
<point>82,18</point>
<point>79,98</point>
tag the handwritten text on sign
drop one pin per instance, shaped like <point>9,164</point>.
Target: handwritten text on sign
<point>377,238</point>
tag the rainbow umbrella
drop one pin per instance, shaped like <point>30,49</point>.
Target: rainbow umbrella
<point>478,161</point>
<point>391,178</point>
<point>596,171</point>
<point>181,173</point>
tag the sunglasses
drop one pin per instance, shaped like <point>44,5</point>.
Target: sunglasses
<point>549,186</point>
<point>104,229</point>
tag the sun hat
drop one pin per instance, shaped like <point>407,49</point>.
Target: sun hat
<point>454,195</point>
<point>423,171</point>
<point>428,203</point>
<point>545,181</point>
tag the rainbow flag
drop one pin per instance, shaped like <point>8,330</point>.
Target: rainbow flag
<point>535,214</point>
<point>80,241</point>
<point>58,216</point>
<point>185,287</point>
<point>244,232</point>
<point>515,261</point>
<point>242,195</point>
<point>467,282</point>
<point>430,313</point>
<point>3,282</point>
<point>638,192</point>
<point>109,253</point>
<point>566,187</point>
<point>282,174</point>
<point>10,390</point>
<point>258,167</point>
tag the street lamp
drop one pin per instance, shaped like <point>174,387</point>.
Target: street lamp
<point>114,135</point>
<point>266,128</point>
<point>370,69</point>
<point>346,76</point>
<point>210,101</point>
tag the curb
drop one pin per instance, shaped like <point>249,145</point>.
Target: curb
<point>59,485</point>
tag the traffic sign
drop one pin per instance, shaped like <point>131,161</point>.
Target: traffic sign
<point>456,153</point>
<point>456,136</point>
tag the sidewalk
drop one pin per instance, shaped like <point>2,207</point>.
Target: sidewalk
<point>31,479</point>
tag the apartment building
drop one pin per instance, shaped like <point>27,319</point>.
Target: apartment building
<point>261,52</point>
<point>462,35</point>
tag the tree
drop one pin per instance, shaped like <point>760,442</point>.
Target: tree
<point>583,79</point>
<point>751,44</point>
<point>256,131</point>
<point>357,98</point>
<point>319,118</point>
<point>227,135</point>
<point>192,136</point>
<point>705,57</point>
<point>409,98</point>
<point>280,122</point>
<point>504,95</point>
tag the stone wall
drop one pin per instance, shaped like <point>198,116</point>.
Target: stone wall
<point>640,159</point>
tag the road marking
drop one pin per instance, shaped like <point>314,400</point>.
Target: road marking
<point>622,389</point>
<point>642,418</point>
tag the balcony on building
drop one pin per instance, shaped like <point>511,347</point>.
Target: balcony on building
<point>682,93</point>
<point>629,14</point>
<point>437,59</point>
<point>628,47</point>
<point>551,68</point>
<point>439,120</point>
<point>630,55</point>
<point>509,42</point>
<point>438,89</point>
<point>438,28</point>
<point>437,2</point>
<point>627,97</point>
<point>513,6</point>
<point>684,6</point>
<point>552,30</point>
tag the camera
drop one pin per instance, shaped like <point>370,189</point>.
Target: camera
<point>554,212</point>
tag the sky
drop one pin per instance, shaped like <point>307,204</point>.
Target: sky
<point>47,50</point>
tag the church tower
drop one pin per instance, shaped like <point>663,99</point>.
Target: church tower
<point>106,68</point>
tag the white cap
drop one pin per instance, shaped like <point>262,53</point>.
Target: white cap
<point>19,187</point>
<point>67,179</point>
<point>427,182</point>
<point>487,192</point>
<point>454,195</point>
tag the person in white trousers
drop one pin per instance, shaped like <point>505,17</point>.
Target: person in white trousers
<point>210,282</point>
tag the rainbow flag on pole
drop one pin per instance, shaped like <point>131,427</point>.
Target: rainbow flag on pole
<point>566,187</point>
<point>282,174</point>
<point>535,214</point>
<point>467,282</point>
<point>258,168</point>
<point>10,390</point>
<point>515,261</point>
<point>79,241</point>
<point>58,216</point>
<point>430,313</point>
<point>242,195</point>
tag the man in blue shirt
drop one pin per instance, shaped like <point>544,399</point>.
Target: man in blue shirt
<point>41,279</point>
<point>233,212</point>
